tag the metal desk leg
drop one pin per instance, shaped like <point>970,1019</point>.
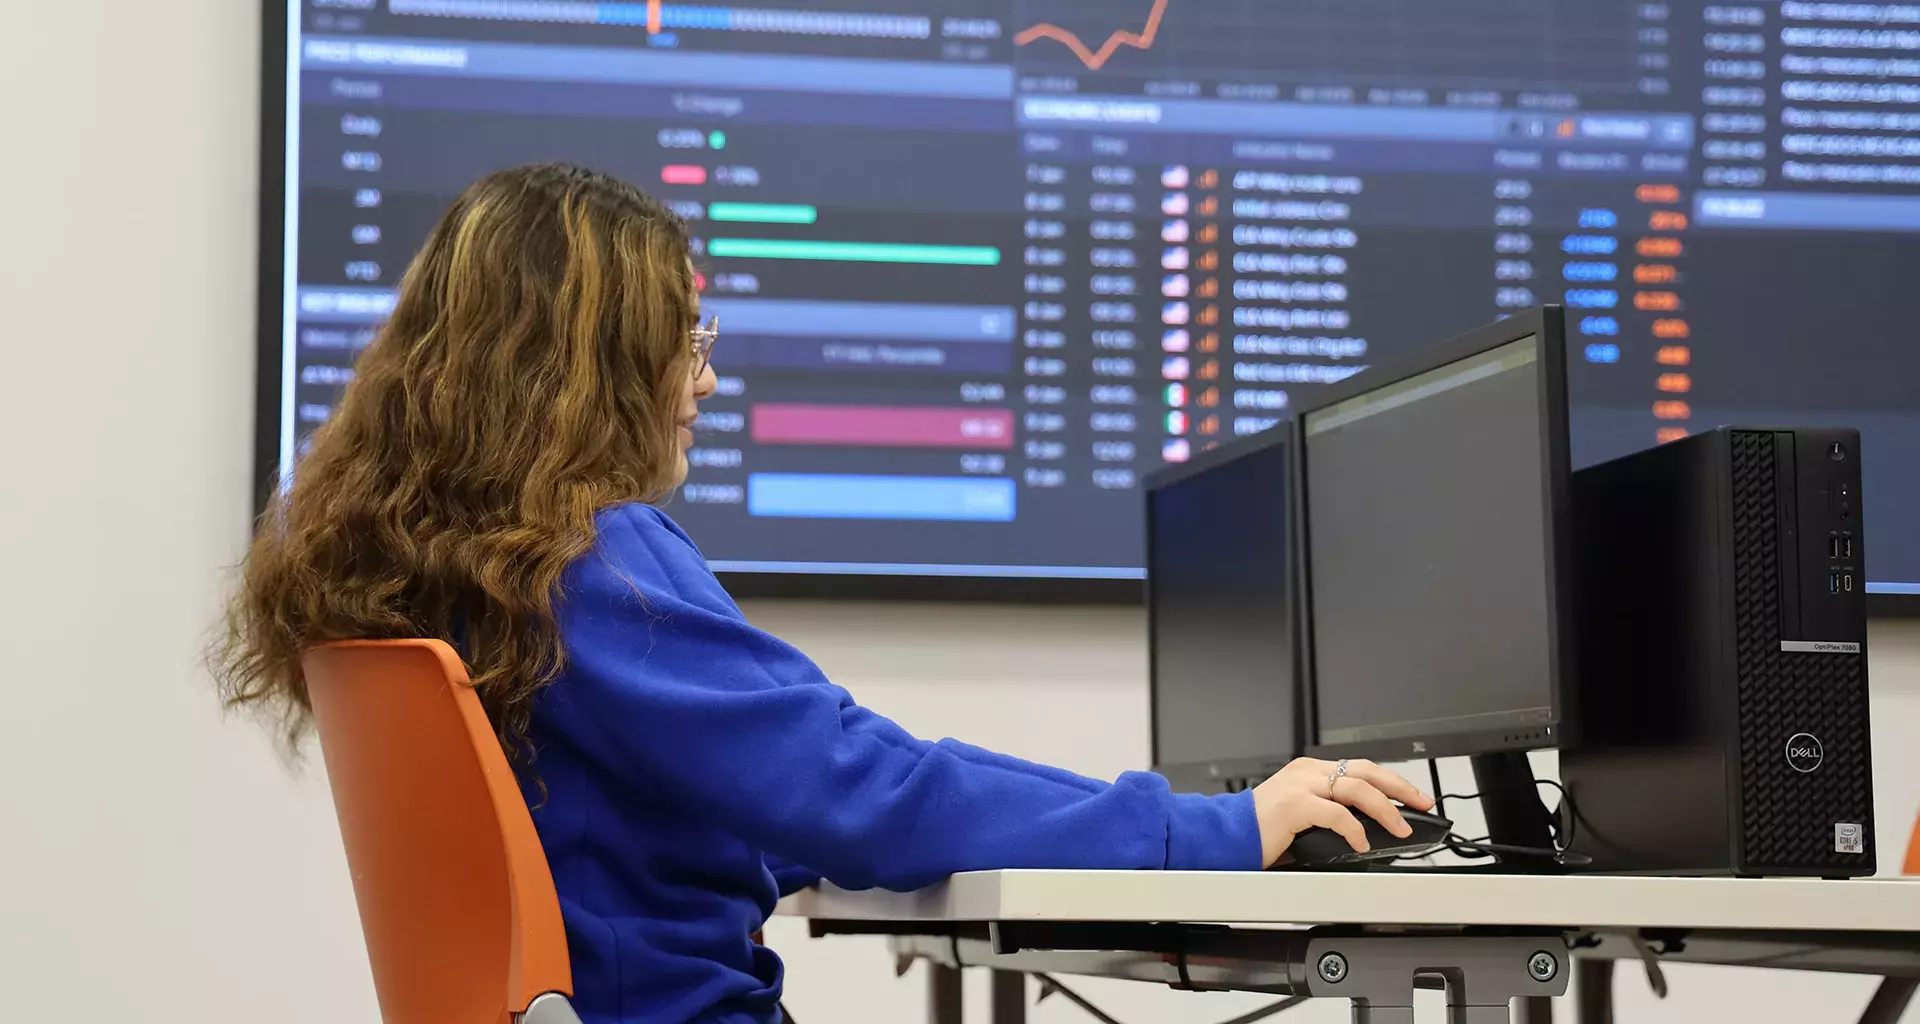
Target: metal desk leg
<point>1889,1001</point>
<point>1009,997</point>
<point>1593,992</point>
<point>943,995</point>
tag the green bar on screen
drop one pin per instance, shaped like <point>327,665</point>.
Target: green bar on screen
<point>854,252</point>
<point>763,213</point>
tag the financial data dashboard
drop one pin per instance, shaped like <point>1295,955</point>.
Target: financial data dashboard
<point>981,264</point>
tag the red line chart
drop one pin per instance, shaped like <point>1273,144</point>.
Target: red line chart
<point>1095,59</point>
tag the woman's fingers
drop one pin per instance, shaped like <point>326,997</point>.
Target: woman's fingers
<point>1390,783</point>
<point>1311,793</point>
<point>1329,815</point>
<point>1357,792</point>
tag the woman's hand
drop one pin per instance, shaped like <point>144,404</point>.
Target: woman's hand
<point>1299,797</point>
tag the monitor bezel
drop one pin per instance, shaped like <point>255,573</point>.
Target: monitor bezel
<point>1227,773</point>
<point>1547,325</point>
<point>269,294</point>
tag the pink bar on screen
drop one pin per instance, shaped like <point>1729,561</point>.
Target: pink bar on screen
<point>897,427</point>
<point>683,174</point>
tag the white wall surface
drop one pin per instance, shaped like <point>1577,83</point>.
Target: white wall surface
<point>156,863</point>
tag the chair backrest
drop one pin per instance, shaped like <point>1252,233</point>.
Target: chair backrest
<point>457,903</point>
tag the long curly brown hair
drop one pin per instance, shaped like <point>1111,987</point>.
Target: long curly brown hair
<point>529,377</point>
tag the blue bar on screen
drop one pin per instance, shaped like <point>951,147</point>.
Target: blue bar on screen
<point>1799,210</point>
<point>846,496</point>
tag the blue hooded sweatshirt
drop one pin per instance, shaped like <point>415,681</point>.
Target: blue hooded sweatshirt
<point>688,765</point>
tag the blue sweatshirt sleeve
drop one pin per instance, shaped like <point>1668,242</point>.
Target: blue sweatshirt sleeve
<point>668,685</point>
<point>790,878</point>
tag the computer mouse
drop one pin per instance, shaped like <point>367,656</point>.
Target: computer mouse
<point>1323,847</point>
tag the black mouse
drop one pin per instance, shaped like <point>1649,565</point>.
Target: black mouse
<point>1323,847</point>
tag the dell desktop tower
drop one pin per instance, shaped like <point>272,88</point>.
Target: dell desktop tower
<point>1718,719</point>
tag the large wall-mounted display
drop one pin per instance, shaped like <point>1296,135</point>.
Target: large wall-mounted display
<point>981,264</point>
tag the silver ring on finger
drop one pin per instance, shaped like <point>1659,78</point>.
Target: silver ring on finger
<point>1339,772</point>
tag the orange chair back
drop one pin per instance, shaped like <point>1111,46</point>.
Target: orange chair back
<point>458,906</point>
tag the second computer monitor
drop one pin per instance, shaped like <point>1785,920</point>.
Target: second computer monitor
<point>1434,497</point>
<point>1220,619</point>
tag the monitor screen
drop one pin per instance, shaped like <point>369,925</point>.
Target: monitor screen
<point>1428,556</point>
<point>981,265</point>
<point>1223,677</point>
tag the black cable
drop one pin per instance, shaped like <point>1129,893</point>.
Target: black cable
<point>1567,812</point>
<point>1483,848</point>
<point>1050,984</point>
<point>1562,826</point>
<point>1466,851</point>
<point>1562,840</point>
<point>1439,797</point>
<point>1553,826</point>
<point>1473,849</point>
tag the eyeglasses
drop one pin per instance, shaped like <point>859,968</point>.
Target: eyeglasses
<point>704,336</point>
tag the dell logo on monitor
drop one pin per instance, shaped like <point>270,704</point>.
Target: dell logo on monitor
<point>1804,752</point>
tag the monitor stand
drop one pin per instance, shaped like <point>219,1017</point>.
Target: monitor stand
<point>1510,799</point>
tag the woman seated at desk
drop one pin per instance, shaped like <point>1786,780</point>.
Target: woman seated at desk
<point>491,478</point>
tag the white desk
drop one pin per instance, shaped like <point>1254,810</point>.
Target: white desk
<point>1255,931</point>
<point>1405,898</point>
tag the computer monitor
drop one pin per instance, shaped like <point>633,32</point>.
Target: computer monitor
<point>1434,501</point>
<point>1220,616</point>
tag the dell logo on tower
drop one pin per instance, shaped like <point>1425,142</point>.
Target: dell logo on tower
<point>1803,752</point>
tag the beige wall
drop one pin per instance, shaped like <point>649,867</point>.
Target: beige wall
<point>156,864</point>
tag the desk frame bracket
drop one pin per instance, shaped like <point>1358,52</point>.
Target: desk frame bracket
<point>1379,972</point>
<point>1482,975</point>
